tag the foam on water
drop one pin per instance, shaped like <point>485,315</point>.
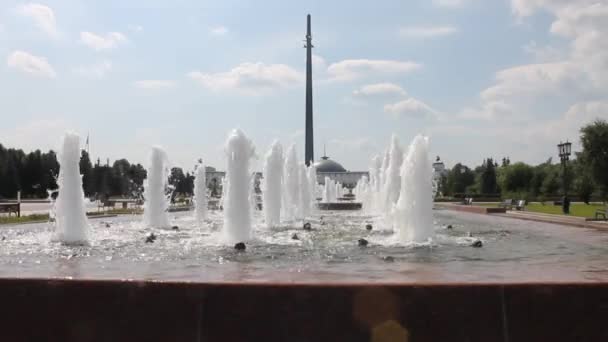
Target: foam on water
<point>155,193</point>
<point>237,208</point>
<point>71,225</point>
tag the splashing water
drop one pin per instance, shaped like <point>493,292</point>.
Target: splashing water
<point>305,196</point>
<point>272,184</point>
<point>413,216</point>
<point>200,193</point>
<point>156,201</point>
<point>392,178</point>
<point>237,209</point>
<point>292,182</point>
<point>71,225</point>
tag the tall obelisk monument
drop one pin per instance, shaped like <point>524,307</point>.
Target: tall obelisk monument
<point>310,147</point>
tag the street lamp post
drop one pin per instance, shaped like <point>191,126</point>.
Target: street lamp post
<point>564,151</point>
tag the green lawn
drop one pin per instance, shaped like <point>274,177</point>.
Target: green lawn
<point>576,209</point>
<point>28,218</point>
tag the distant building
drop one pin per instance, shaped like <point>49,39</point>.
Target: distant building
<point>335,171</point>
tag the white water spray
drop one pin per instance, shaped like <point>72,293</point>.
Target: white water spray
<point>71,225</point>
<point>292,181</point>
<point>200,193</point>
<point>237,209</point>
<point>272,184</point>
<point>305,195</point>
<point>392,182</point>
<point>413,216</point>
<point>156,200</point>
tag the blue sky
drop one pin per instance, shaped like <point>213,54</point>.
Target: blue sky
<point>481,78</point>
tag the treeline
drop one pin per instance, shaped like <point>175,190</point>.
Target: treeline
<point>586,175</point>
<point>35,173</point>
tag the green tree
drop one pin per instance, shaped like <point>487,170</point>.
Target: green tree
<point>515,178</point>
<point>86,170</point>
<point>459,179</point>
<point>488,182</point>
<point>594,140</point>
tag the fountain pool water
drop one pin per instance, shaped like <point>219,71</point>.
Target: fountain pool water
<point>514,251</point>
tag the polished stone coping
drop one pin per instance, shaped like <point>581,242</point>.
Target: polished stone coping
<point>103,310</point>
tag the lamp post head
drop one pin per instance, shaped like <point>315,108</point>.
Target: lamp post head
<point>564,150</point>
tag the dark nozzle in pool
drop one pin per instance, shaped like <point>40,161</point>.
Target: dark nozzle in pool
<point>363,242</point>
<point>107,225</point>
<point>307,226</point>
<point>449,226</point>
<point>175,227</point>
<point>295,237</point>
<point>477,244</point>
<point>240,246</point>
<point>150,238</point>
<point>368,226</point>
<point>388,258</point>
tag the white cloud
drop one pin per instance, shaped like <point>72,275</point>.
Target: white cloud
<point>532,80</point>
<point>410,108</point>
<point>34,65</point>
<point>252,78</point>
<point>449,3</point>
<point>543,54</point>
<point>318,62</point>
<point>427,31</point>
<point>380,89</point>
<point>351,69</point>
<point>43,16</point>
<point>569,124</point>
<point>219,31</point>
<point>95,71</point>
<point>111,40</point>
<point>154,84</point>
<point>493,110</point>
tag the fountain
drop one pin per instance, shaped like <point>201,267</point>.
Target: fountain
<point>332,249</point>
<point>413,216</point>
<point>200,193</point>
<point>291,176</point>
<point>156,200</point>
<point>305,195</point>
<point>237,209</point>
<point>272,184</point>
<point>329,191</point>
<point>392,179</point>
<point>71,225</point>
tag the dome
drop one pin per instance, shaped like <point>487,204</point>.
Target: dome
<point>328,165</point>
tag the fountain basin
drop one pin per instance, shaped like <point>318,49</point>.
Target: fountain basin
<point>94,310</point>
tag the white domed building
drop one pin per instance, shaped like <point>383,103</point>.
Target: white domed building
<point>335,171</point>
